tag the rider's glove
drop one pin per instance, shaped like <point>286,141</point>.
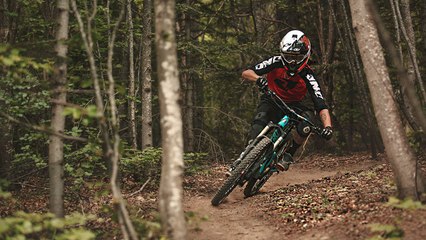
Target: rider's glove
<point>262,83</point>
<point>327,133</point>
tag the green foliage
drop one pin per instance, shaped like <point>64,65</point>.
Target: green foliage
<point>147,163</point>
<point>3,194</point>
<point>31,153</point>
<point>24,95</point>
<point>45,226</point>
<point>194,162</point>
<point>415,140</point>
<point>84,163</point>
<point>405,204</point>
<point>22,88</point>
<point>194,220</point>
<point>148,229</point>
<point>142,164</point>
<point>386,231</point>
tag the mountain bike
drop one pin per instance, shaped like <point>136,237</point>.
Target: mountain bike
<point>258,161</point>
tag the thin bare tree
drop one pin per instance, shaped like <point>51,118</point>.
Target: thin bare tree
<point>110,144</point>
<point>6,127</point>
<point>187,87</point>
<point>146,126</point>
<point>400,155</point>
<point>403,100</point>
<point>355,65</point>
<point>56,145</point>
<point>132,95</point>
<point>171,209</point>
<point>406,27</point>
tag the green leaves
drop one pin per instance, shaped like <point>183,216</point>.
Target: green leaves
<point>45,226</point>
<point>76,234</point>
<point>405,204</point>
<point>387,231</point>
<point>78,112</point>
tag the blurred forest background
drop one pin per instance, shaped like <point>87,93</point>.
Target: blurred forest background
<point>216,41</point>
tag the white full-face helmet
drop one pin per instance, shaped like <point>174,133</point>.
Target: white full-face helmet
<point>295,50</point>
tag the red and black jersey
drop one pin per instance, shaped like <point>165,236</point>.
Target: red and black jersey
<point>291,88</point>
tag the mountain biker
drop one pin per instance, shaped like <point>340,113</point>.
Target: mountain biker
<point>290,77</point>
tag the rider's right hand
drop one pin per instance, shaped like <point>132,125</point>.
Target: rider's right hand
<point>327,133</point>
<point>262,83</point>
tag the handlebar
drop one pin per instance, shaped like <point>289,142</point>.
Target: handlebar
<point>274,96</point>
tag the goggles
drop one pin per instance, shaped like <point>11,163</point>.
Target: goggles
<point>292,58</point>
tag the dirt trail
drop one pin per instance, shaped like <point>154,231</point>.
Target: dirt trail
<point>237,217</point>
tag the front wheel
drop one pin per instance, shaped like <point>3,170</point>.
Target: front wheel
<point>238,174</point>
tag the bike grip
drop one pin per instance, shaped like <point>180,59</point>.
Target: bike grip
<point>317,130</point>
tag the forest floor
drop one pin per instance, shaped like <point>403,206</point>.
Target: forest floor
<point>319,197</point>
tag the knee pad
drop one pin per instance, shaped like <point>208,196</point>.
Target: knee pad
<point>259,123</point>
<point>255,130</point>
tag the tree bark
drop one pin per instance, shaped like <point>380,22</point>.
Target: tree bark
<point>56,145</point>
<point>146,128</point>
<point>4,21</point>
<point>188,90</point>
<point>410,101</point>
<point>360,82</point>
<point>6,148</point>
<point>171,209</point>
<point>408,34</point>
<point>132,97</point>
<point>327,52</point>
<point>400,155</point>
<point>403,100</point>
<point>6,128</point>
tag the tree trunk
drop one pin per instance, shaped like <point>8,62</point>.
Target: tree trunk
<point>6,148</point>
<point>4,21</point>
<point>132,97</point>
<point>56,145</point>
<point>146,128</point>
<point>188,90</point>
<point>408,90</point>
<point>423,28</point>
<point>403,100</point>
<point>400,155</point>
<point>408,34</point>
<point>6,128</point>
<point>111,146</point>
<point>171,209</point>
<point>362,88</point>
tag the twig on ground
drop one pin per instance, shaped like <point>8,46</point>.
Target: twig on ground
<point>27,174</point>
<point>303,147</point>
<point>140,189</point>
<point>33,186</point>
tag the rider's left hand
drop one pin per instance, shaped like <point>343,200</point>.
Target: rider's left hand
<point>262,83</point>
<point>327,133</point>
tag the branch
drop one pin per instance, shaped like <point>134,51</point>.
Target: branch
<point>41,128</point>
<point>140,189</point>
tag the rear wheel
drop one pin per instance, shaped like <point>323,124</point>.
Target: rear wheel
<point>238,174</point>
<point>254,185</point>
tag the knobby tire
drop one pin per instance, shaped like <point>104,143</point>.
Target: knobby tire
<point>238,174</point>
<point>255,184</point>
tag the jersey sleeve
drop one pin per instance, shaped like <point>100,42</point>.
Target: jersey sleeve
<point>314,89</point>
<point>267,65</point>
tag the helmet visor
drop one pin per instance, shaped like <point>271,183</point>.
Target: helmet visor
<point>293,58</point>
